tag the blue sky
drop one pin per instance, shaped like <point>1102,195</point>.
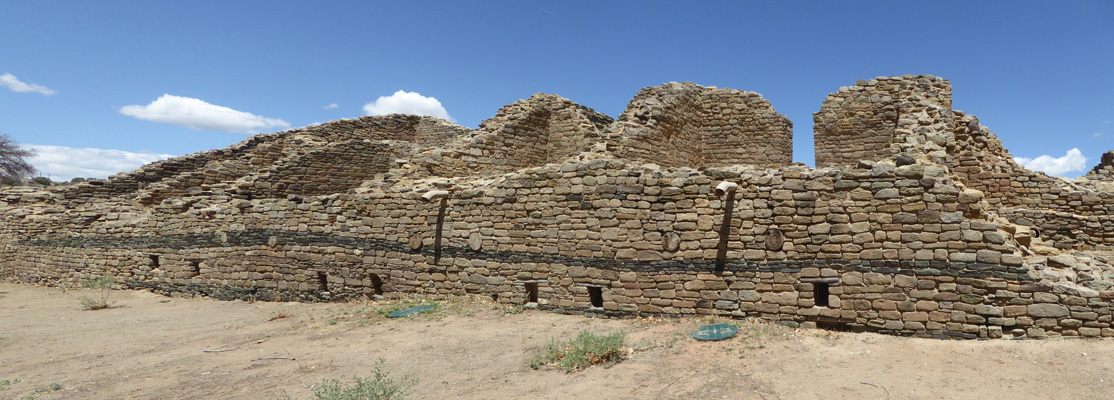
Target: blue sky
<point>102,87</point>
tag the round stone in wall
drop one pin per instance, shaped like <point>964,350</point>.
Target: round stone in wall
<point>224,237</point>
<point>670,241</point>
<point>475,241</point>
<point>272,241</point>
<point>415,241</point>
<point>775,240</point>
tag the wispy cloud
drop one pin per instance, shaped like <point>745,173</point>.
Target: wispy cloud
<point>1072,161</point>
<point>13,83</point>
<point>197,114</point>
<point>62,163</point>
<point>1096,134</point>
<point>331,106</point>
<point>403,102</point>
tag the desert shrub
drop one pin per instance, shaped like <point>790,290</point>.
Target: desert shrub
<point>586,350</point>
<point>42,180</point>
<point>103,286</point>
<point>77,179</point>
<point>378,386</point>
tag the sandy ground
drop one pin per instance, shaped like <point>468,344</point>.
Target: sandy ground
<point>153,347</point>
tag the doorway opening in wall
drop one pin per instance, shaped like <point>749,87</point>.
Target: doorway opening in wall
<point>595,293</point>
<point>532,292</point>
<point>323,281</point>
<point>376,285</point>
<point>820,293</point>
<point>154,260</point>
<point>195,268</point>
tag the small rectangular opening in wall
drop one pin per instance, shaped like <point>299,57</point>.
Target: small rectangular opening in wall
<point>323,281</point>
<point>532,292</point>
<point>376,285</point>
<point>195,268</point>
<point>154,260</point>
<point>820,293</point>
<point>595,293</point>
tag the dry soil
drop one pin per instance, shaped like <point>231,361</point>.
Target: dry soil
<point>147,346</point>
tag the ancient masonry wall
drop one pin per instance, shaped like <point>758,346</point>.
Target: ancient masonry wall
<point>528,133</point>
<point>914,238</point>
<point>884,248</point>
<point>1105,169</point>
<point>869,121</point>
<point>911,116</point>
<point>684,124</point>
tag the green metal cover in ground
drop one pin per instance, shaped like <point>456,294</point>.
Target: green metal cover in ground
<point>410,311</point>
<point>715,332</point>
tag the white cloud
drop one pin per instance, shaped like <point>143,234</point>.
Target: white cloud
<point>331,106</point>
<point>15,84</point>
<point>197,114</point>
<point>1072,161</point>
<point>1096,134</point>
<point>403,102</point>
<point>61,163</point>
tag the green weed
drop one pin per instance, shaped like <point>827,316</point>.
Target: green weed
<point>378,386</point>
<point>103,286</point>
<point>586,350</point>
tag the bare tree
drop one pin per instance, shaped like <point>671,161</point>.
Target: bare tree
<point>13,159</point>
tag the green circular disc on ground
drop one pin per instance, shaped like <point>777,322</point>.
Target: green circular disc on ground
<point>715,332</point>
<point>410,311</point>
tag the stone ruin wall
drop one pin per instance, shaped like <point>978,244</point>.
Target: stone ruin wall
<point>911,116</point>
<point>870,120</point>
<point>528,133</point>
<point>905,249</point>
<point>684,124</point>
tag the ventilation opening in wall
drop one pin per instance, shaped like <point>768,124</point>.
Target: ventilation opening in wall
<point>323,281</point>
<point>154,260</point>
<point>376,285</point>
<point>532,292</point>
<point>820,293</point>
<point>195,268</point>
<point>595,293</point>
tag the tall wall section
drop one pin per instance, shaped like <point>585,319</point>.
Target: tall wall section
<point>870,120</point>
<point>911,116</point>
<point>688,125</point>
<point>543,129</point>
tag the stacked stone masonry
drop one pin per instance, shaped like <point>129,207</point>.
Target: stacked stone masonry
<point>684,124</point>
<point>556,205</point>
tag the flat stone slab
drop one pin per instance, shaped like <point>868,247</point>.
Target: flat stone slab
<point>715,332</point>
<point>410,311</point>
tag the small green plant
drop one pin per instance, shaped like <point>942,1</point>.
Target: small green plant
<point>7,383</point>
<point>49,388</point>
<point>42,180</point>
<point>378,386</point>
<point>103,286</point>
<point>586,350</point>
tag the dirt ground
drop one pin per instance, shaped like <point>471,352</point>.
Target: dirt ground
<point>152,347</point>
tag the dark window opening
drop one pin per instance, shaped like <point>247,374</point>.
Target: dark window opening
<point>596,295</point>
<point>495,297</point>
<point>154,260</point>
<point>531,292</point>
<point>820,293</point>
<point>376,284</point>
<point>323,281</point>
<point>195,268</point>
